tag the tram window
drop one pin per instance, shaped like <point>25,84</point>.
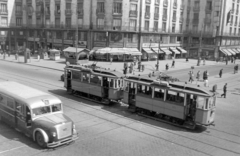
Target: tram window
<point>116,84</point>
<point>96,79</point>
<point>206,105</point>
<point>175,97</point>
<point>111,83</point>
<point>201,102</point>
<point>159,93</point>
<point>85,77</point>
<point>126,86</point>
<point>75,75</point>
<point>144,89</point>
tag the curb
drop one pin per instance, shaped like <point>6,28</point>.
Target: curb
<point>33,65</point>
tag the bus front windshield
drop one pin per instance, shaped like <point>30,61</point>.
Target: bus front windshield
<point>46,109</point>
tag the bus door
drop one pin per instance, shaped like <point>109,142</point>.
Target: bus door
<point>20,117</point>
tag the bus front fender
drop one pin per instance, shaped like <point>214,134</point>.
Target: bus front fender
<point>44,134</point>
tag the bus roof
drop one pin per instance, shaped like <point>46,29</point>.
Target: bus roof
<point>20,90</point>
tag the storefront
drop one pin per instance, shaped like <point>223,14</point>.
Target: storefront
<point>176,53</point>
<point>207,53</point>
<point>168,53</point>
<point>76,55</point>
<point>183,52</point>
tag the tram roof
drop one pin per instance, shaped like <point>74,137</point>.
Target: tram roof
<point>179,86</point>
<point>98,71</point>
<point>30,96</point>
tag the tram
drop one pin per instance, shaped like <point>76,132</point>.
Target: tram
<point>96,84</point>
<point>178,103</point>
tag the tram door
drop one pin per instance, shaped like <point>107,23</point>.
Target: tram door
<point>191,106</point>
<point>105,87</point>
<point>132,94</point>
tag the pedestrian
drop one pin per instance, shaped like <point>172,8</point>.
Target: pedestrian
<point>198,75</point>
<point>173,64</point>
<point>204,61</point>
<point>224,91</point>
<point>111,59</point>
<point>235,69</point>
<point>167,66</point>
<point>191,76</point>
<point>125,71</point>
<point>220,73</point>
<point>207,74</point>
<point>131,68</point>
<point>226,61</point>
<point>139,66</point>
<point>186,59</point>
<point>234,60</point>
<point>204,75</point>
<point>231,59</point>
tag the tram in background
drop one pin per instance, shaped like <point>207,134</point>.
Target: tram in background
<point>178,103</point>
<point>96,84</point>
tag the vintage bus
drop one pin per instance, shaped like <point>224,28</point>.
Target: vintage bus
<point>37,114</point>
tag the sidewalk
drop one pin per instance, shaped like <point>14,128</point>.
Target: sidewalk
<point>149,66</point>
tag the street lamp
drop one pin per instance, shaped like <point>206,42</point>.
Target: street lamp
<point>157,65</point>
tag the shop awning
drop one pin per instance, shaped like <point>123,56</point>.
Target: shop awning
<point>74,50</point>
<point>133,51</point>
<point>238,49</point>
<point>94,49</point>
<point>182,50</point>
<point>166,51</point>
<point>223,52</point>
<point>148,51</point>
<point>226,52</point>
<point>157,50</point>
<point>230,51</point>
<point>175,50</point>
<point>54,50</point>
<point>235,50</point>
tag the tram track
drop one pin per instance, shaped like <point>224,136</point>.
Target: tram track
<point>46,85</point>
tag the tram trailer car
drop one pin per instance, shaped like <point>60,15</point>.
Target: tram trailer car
<point>96,84</point>
<point>37,114</point>
<point>178,103</point>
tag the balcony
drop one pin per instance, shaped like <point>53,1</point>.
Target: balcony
<point>147,14</point>
<point>165,3</point>
<point>208,10</point>
<point>133,13</point>
<point>100,12</point>
<point>68,12</point>
<point>182,6</point>
<point>116,28</point>
<point>18,1</point>
<point>181,19</point>
<point>57,12</point>
<point>148,1</point>
<point>3,12</point>
<point>207,20</point>
<point>196,9</point>
<point>164,17</point>
<point>156,16</point>
<point>19,13</point>
<point>133,0</point>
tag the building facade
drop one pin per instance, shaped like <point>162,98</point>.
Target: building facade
<point>200,26</point>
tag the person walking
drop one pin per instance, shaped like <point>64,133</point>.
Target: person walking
<point>191,76</point>
<point>237,68</point>
<point>111,59</point>
<point>167,66</point>
<point>220,73</point>
<point>207,74</point>
<point>226,61</point>
<point>173,64</point>
<point>198,75</point>
<point>204,75</point>
<point>204,61</point>
<point>224,91</point>
<point>139,65</point>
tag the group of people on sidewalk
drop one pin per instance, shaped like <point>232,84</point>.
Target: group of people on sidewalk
<point>205,77</point>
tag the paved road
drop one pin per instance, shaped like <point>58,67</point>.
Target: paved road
<point>113,130</point>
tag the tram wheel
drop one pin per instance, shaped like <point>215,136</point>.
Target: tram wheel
<point>40,140</point>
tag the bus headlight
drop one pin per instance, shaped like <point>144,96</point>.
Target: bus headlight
<point>74,127</point>
<point>54,134</point>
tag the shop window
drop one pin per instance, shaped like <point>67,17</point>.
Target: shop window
<point>116,37</point>
<point>4,21</point>
<point>19,21</point>
<point>3,33</point>
<point>132,38</point>
<point>117,23</point>
<point>100,36</point>
<point>100,23</point>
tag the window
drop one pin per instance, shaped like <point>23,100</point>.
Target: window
<point>117,8</point>
<point>57,22</point>
<point>19,21</point>
<point>159,93</point>
<point>173,27</point>
<point>132,38</point>
<point>176,97</point>
<point>196,4</point>
<point>217,13</point>
<point>3,7</point>
<point>2,33</point>
<point>68,22</point>
<point>172,39</point>
<point>156,25</point>
<point>80,8</point>
<point>68,6</point>
<point>231,19</point>
<point>41,111</point>
<point>235,31</point>
<point>165,12</point>
<point>117,23</point>
<point>195,16</point>
<point>100,7</point>
<point>157,1</point>
<point>18,8</point>
<point>56,107</point>
<point>156,11</point>
<point>4,21</point>
<point>58,9</point>
<point>164,26</point>
<point>47,21</point>
<point>230,30</point>
<point>94,79</point>
<point>209,5</point>
<point>147,9</point>
<point>236,20</point>
<point>133,7</point>
<point>143,89</point>
<point>116,37</point>
<point>174,15</point>
<point>39,21</point>
<point>100,36</point>
<point>85,77</point>
<point>132,24</point>
<point>195,28</point>
<point>80,22</point>
<point>180,28</point>
<point>146,26</point>
<point>47,8</point>
<point>148,1</point>
<point>100,23</point>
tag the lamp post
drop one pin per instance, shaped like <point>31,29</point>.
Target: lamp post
<point>157,65</point>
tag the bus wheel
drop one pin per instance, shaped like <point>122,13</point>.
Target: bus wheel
<point>40,140</point>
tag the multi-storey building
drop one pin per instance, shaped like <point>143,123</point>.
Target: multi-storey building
<point>203,27</point>
<point>212,28</point>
